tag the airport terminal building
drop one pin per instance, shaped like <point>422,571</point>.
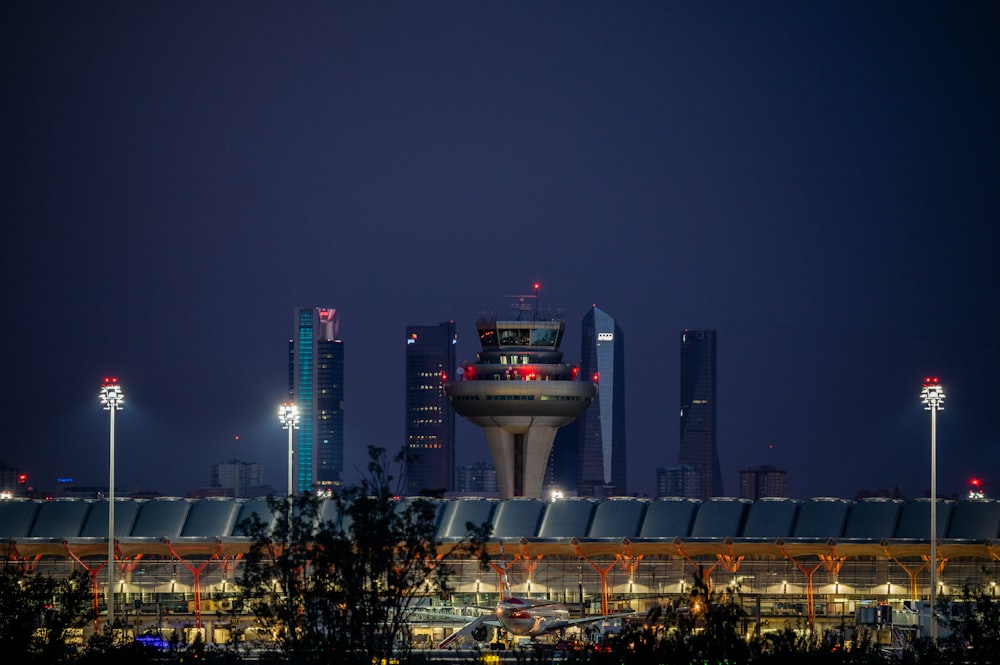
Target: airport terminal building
<point>818,562</point>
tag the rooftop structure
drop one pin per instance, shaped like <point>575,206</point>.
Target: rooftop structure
<point>520,392</point>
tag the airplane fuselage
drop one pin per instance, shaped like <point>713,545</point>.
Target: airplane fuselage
<point>526,618</point>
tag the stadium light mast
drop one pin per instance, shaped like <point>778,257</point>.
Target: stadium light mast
<point>932,396</point>
<point>111,399</point>
<point>288,416</point>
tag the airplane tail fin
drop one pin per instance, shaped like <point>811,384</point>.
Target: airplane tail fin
<point>504,581</point>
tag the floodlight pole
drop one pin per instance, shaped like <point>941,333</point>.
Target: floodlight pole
<point>111,398</point>
<point>288,416</point>
<point>932,396</point>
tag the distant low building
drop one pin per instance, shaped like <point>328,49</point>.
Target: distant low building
<point>763,481</point>
<point>241,478</point>
<point>11,481</point>
<point>479,478</point>
<point>880,493</point>
<point>679,480</point>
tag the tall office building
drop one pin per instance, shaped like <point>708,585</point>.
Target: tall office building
<point>520,392</point>
<point>697,447</point>
<point>602,428</point>
<point>430,420</point>
<point>316,386</point>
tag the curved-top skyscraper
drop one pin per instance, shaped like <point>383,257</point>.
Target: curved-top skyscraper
<point>520,392</point>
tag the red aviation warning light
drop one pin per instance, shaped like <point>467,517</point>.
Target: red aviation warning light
<point>932,394</point>
<point>22,479</point>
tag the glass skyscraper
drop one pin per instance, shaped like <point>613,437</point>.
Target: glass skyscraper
<point>430,420</point>
<point>602,467</point>
<point>316,386</point>
<point>697,447</point>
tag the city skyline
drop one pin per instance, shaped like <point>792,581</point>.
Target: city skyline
<point>817,183</point>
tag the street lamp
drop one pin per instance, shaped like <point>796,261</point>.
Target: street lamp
<point>288,416</point>
<point>111,399</point>
<point>932,396</point>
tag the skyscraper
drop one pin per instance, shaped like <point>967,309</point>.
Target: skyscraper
<point>316,385</point>
<point>602,427</point>
<point>697,447</point>
<point>520,392</point>
<point>430,420</point>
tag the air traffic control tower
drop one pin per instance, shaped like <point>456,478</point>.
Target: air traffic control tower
<point>520,392</point>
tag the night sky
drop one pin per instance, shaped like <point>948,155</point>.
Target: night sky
<point>818,182</point>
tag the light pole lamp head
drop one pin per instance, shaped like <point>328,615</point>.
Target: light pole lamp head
<point>932,394</point>
<point>111,394</point>
<point>288,416</point>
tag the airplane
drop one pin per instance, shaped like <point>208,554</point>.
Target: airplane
<point>522,617</point>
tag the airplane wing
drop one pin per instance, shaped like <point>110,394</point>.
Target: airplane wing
<point>434,614</point>
<point>467,629</point>
<point>556,625</point>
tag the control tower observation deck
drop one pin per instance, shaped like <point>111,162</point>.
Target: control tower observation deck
<point>520,392</point>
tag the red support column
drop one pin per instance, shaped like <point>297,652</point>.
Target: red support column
<point>603,572</point>
<point>808,572</point>
<point>94,587</point>
<point>196,581</point>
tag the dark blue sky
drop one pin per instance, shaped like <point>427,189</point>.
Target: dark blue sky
<point>818,182</point>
